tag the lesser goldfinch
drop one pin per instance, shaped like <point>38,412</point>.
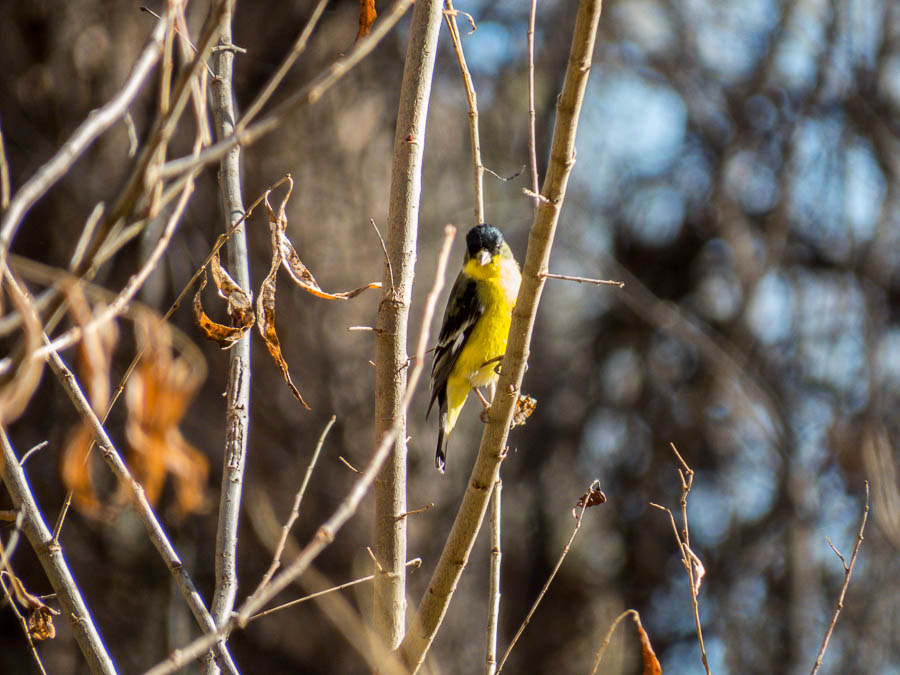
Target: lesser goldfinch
<point>475,328</point>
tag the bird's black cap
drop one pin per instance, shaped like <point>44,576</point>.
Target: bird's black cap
<point>484,237</point>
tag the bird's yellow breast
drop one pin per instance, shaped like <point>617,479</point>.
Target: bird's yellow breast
<point>488,339</point>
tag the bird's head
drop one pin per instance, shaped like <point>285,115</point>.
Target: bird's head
<point>483,243</point>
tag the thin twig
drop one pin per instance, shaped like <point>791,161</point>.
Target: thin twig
<point>53,561</point>
<point>609,633</point>
<point>414,563</point>
<point>295,510</point>
<point>246,134</point>
<point>4,175</point>
<point>848,571</point>
<point>457,549</point>
<point>532,137</point>
<point>578,520</point>
<point>494,584</point>
<point>349,465</point>
<point>297,49</point>
<point>345,510</point>
<point>387,258</point>
<point>139,500</point>
<point>15,608</point>
<point>97,122</point>
<point>39,446</point>
<point>583,280</point>
<point>116,307</point>
<point>478,167</point>
<point>688,557</point>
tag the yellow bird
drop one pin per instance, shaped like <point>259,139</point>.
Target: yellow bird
<point>475,328</point>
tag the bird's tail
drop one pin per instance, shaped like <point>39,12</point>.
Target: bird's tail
<point>440,455</point>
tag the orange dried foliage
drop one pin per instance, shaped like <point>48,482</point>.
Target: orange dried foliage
<point>265,307</point>
<point>40,616</point>
<point>157,397</point>
<point>94,361</point>
<point>367,16</point>
<point>525,405</point>
<point>17,391</point>
<point>284,254</point>
<point>651,663</point>
<point>240,306</point>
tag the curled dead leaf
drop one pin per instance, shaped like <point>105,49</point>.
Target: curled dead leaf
<point>592,497</point>
<point>40,616</point>
<point>525,405</point>
<point>265,309</point>
<point>240,302</point>
<point>304,278</point>
<point>240,306</point>
<point>648,656</point>
<point>284,251</point>
<point>697,570</point>
<point>367,16</point>
<point>40,623</point>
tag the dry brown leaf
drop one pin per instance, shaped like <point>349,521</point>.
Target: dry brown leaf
<point>592,497</point>
<point>76,472</point>
<point>304,278</point>
<point>648,656</point>
<point>367,16</point>
<point>17,391</point>
<point>240,302</point>
<point>94,362</point>
<point>240,307</point>
<point>158,395</point>
<point>525,405</point>
<point>40,623</point>
<point>265,309</point>
<point>40,616</point>
<point>698,571</point>
<point>287,255</point>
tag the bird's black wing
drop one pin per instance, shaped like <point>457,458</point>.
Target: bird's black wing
<point>463,311</point>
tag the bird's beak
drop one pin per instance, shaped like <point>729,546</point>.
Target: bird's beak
<point>483,257</point>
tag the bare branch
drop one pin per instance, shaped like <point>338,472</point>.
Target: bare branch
<point>583,280</point>
<point>237,397</point>
<point>97,122</point>
<point>415,563</point>
<point>478,167</point>
<point>848,571</point>
<point>139,500</point>
<point>246,134</point>
<point>491,452</point>
<point>295,510</point>
<point>532,137</point>
<point>53,561</point>
<point>494,584</point>
<point>578,520</point>
<point>690,560</point>
<point>392,323</point>
<point>326,533</point>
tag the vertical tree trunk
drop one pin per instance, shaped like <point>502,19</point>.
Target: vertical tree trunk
<point>237,406</point>
<point>391,334</point>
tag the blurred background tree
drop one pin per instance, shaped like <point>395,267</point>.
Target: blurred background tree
<point>737,167</point>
